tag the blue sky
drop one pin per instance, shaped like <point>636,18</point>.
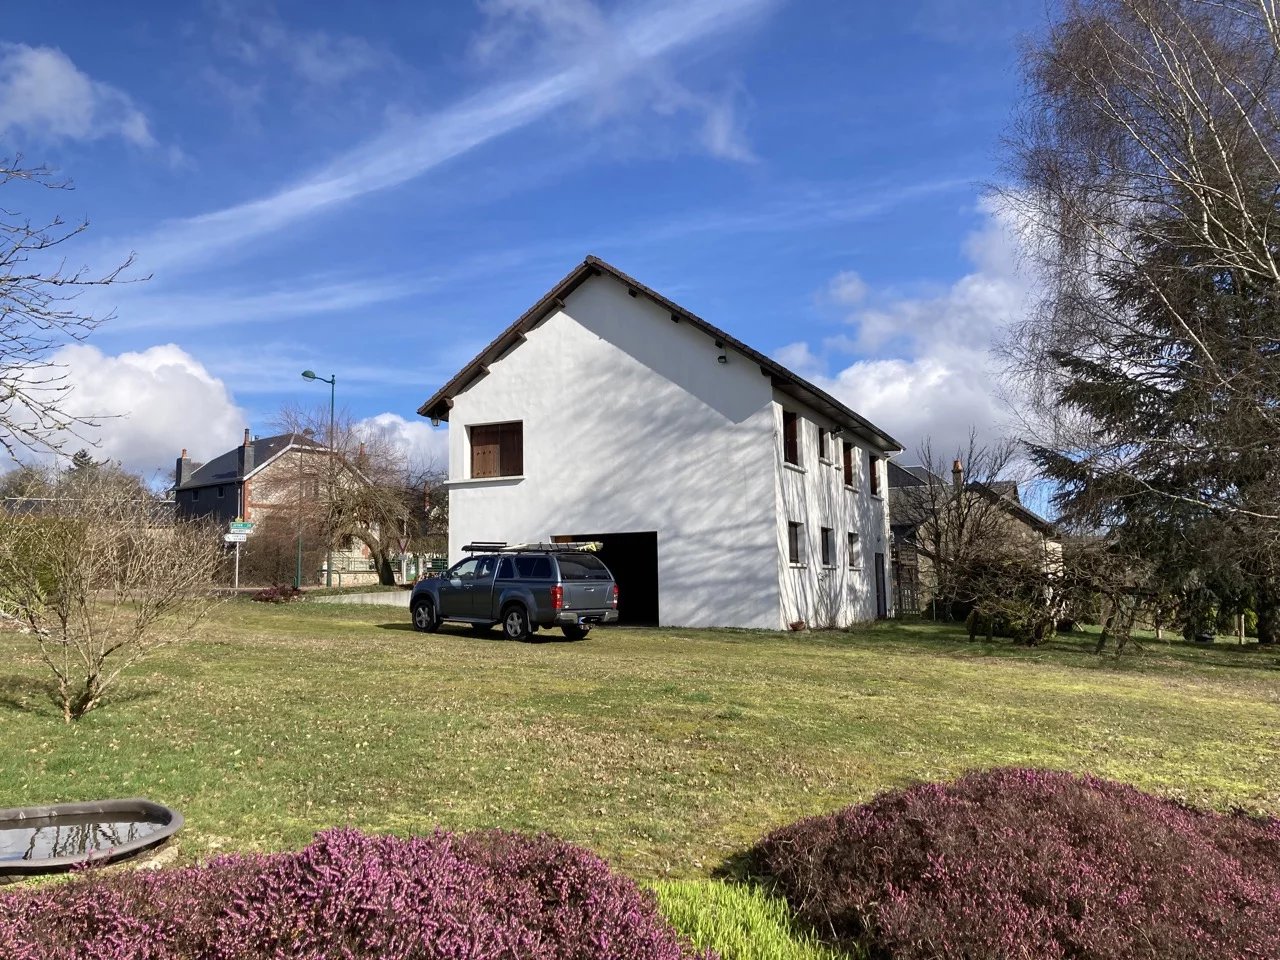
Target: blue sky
<point>376,190</point>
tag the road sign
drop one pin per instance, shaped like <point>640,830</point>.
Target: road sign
<point>235,537</point>
<point>242,526</point>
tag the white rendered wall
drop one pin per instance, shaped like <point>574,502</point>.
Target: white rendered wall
<point>631,425</point>
<point>815,495</point>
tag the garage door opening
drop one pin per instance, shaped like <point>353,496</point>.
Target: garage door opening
<point>633,560</point>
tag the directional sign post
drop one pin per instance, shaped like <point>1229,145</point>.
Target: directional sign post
<point>239,533</point>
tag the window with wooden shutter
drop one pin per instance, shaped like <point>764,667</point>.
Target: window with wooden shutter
<point>497,450</point>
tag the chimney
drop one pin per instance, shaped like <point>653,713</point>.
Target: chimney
<point>246,455</point>
<point>957,475</point>
<point>184,469</point>
<point>360,454</point>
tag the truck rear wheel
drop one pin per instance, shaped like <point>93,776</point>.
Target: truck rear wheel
<point>515,622</point>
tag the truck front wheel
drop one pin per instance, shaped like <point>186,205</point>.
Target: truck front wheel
<point>515,622</point>
<point>424,616</point>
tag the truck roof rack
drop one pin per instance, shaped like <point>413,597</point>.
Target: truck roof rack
<point>577,546</point>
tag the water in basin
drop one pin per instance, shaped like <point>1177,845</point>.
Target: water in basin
<point>49,838</point>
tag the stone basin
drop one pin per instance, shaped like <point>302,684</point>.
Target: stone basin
<point>36,840</point>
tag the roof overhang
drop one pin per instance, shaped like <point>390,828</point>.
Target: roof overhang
<point>784,380</point>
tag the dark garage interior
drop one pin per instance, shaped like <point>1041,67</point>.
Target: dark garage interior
<point>633,560</point>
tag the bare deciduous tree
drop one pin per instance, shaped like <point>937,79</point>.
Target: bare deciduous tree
<point>37,316</point>
<point>1146,171</point>
<point>369,489</point>
<point>101,577</point>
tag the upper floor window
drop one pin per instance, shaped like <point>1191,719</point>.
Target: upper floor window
<point>791,437</point>
<point>848,463</point>
<point>824,444</point>
<point>497,450</point>
<point>873,471</point>
<point>854,557</point>
<point>219,491</point>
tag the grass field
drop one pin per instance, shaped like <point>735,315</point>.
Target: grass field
<point>666,751</point>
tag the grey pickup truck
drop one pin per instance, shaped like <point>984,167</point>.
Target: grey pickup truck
<point>522,587</point>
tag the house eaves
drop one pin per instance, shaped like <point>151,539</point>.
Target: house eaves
<point>784,380</point>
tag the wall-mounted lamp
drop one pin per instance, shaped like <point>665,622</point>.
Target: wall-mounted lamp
<point>837,433</point>
<point>435,421</point>
<point>722,359</point>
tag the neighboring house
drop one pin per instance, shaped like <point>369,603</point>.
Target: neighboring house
<point>224,487</point>
<point>725,489</point>
<point>246,482</point>
<point>919,495</point>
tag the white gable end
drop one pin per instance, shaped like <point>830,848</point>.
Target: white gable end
<point>632,425</point>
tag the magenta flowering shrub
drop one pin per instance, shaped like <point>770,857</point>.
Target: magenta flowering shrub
<point>1034,864</point>
<point>349,896</point>
<point>277,593</point>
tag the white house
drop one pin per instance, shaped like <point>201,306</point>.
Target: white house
<point>727,491</point>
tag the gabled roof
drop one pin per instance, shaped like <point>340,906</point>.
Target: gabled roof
<point>783,379</point>
<point>225,468</point>
<point>1002,492</point>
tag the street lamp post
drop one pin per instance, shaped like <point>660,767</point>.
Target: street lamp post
<point>297,576</point>
<point>332,381</point>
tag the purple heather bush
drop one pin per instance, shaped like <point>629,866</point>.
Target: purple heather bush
<point>349,896</point>
<point>277,593</point>
<point>1033,864</point>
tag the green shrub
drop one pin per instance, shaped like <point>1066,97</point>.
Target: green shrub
<point>738,922</point>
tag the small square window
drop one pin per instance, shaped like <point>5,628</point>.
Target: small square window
<point>497,450</point>
<point>791,437</point>
<point>795,543</point>
<point>828,547</point>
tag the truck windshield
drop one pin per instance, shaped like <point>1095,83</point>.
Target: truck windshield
<point>581,566</point>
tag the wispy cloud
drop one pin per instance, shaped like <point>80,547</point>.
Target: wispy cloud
<point>802,209</point>
<point>44,97</point>
<point>409,148</point>
<point>306,297</point>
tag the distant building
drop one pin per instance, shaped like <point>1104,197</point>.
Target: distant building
<point>913,563</point>
<point>224,487</point>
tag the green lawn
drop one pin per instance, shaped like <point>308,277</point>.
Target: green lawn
<point>667,751</point>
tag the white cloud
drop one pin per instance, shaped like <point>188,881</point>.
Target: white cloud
<point>924,366</point>
<point>409,148</point>
<point>45,97</point>
<point>255,36</point>
<point>425,445</point>
<point>847,288</point>
<point>160,400</point>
